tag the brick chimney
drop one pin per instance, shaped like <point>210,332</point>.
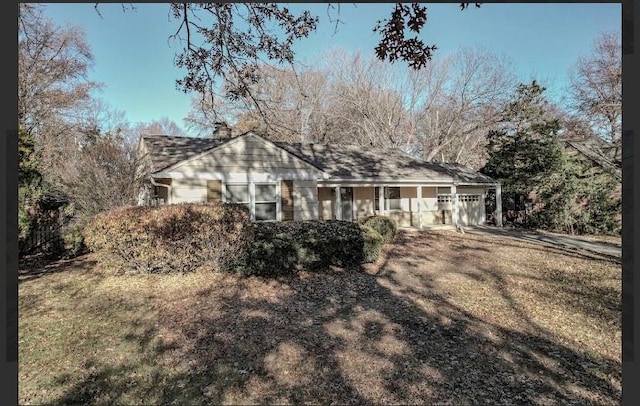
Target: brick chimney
<point>222,131</point>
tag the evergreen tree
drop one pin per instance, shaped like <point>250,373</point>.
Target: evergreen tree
<point>30,184</point>
<point>525,149</point>
<point>563,193</point>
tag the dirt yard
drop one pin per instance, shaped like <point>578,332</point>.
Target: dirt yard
<point>440,318</point>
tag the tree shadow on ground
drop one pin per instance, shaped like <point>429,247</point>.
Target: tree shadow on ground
<point>546,248</point>
<point>36,266</point>
<point>566,244</point>
<point>347,337</point>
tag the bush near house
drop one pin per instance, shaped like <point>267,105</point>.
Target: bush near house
<point>283,248</point>
<point>384,225</point>
<point>175,238</point>
<point>220,236</point>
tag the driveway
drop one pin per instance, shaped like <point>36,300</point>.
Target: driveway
<point>557,240</point>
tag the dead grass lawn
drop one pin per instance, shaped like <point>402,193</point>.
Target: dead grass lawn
<point>442,317</point>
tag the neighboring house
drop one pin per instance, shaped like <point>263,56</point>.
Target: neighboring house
<point>282,181</point>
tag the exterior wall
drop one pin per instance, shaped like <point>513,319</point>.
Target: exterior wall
<point>429,199</point>
<point>326,207</point>
<point>305,200</point>
<point>432,218</point>
<point>363,201</point>
<point>247,159</point>
<point>409,217</point>
<point>403,218</point>
<point>469,212</point>
<point>406,217</point>
<point>188,190</point>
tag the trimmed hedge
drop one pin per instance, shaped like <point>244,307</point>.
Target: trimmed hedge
<point>283,248</point>
<point>385,226</point>
<point>172,238</point>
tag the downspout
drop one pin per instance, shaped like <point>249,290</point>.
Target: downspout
<point>154,183</point>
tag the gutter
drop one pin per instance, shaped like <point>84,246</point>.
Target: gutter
<point>154,183</point>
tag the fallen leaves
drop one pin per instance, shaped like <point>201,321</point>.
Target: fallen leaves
<point>440,318</point>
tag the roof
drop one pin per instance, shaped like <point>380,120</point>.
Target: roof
<point>339,161</point>
<point>355,162</point>
<point>166,151</point>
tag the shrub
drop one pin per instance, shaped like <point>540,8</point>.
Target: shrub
<point>373,243</point>
<point>73,241</point>
<point>173,238</point>
<point>385,226</point>
<point>283,248</point>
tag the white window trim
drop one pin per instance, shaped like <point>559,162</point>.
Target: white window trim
<point>386,199</point>
<point>252,197</point>
<point>278,200</point>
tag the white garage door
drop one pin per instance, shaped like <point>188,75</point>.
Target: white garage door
<point>471,208</point>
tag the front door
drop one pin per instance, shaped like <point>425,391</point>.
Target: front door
<point>346,195</point>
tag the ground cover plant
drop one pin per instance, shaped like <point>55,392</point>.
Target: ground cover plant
<point>440,318</point>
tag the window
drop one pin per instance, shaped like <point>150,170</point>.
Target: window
<point>265,202</point>
<point>469,198</point>
<point>444,195</point>
<point>239,193</point>
<point>261,199</point>
<point>391,198</point>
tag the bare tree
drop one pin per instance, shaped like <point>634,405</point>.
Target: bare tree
<point>596,88</point>
<point>209,109</point>
<point>365,104</point>
<point>162,126</point>
<point>440,112</point>
<point>104,175</point>
<point>289,105</point>
<point>293,103</point>
<point>53,87</point>
<point>466,103</point>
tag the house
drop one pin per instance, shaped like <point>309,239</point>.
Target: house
<point>284,181</point>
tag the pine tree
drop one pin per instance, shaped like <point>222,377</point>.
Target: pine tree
<point>528,159</point>
<point>525,149</point>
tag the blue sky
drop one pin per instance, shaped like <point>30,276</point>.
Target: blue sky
<point>134,59</point>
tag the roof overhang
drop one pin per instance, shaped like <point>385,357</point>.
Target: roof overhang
<point>364,182</point>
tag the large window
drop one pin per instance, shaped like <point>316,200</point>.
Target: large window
<point>260,198</point>
<point>391,198</point>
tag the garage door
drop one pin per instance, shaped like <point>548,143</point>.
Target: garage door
<point>471,208</point>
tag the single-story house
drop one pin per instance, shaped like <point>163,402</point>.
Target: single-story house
<point>297,181</point>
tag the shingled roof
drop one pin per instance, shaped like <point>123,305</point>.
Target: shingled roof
<point>165,151</point>
<point>355,162</point>
<point>348,162</point>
